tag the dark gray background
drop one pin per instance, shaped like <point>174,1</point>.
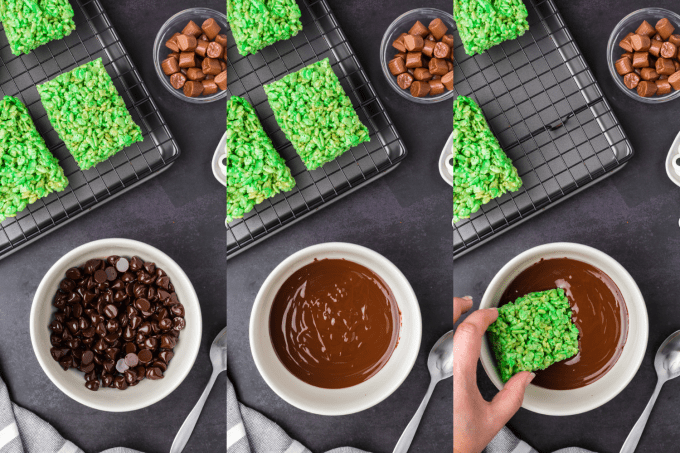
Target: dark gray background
<point>405,216</point>
<point>180,212</point>
<point>632,216</point>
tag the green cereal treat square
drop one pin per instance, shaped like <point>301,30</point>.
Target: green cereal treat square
<point>533,332</point>
<point>314,112</point>
<point>483,24</point>
<point>32,23</point>
<point>89,115</point>
<point>257,24</point>
<point>481,170</point>
<point>255,171</point>
<point>28,171</point>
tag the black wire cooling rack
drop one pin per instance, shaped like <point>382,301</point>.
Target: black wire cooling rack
<point>549,115</point>
<point>94,37</point>
<point>321,37</point>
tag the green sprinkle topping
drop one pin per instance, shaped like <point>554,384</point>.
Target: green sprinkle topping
<point>28,171</point>
<point>257,24</point>
<point>533,332</point>
<point>255,171</point>
<point>481,170</point>
<point>316,115</point>
<point>32,23</point>
<point>483,24</point>
<point>89,115</point>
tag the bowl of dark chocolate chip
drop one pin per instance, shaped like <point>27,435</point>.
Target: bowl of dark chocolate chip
<point>116,324</point>
<point>190,55</point>
<point>606,307</point>
<point>335,329</point>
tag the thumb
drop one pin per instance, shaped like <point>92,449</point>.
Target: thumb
<point>509,400</point>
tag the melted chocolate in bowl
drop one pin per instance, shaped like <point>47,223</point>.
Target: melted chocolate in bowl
<point>598,310</point>
<point>334,323</point>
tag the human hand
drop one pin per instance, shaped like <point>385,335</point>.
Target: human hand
<point>475,420</point>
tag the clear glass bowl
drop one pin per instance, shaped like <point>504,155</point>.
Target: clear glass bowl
<point>403,24</point>
<point>629,24</point>
<point>175,25</point>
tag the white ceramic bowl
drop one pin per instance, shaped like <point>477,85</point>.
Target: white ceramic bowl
<point>72,382</point>
<point>352,399</point>
<point>570,402</point>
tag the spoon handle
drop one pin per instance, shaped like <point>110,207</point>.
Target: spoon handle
<point>633,438</point>
<point>187,427</point>
<point>407,436</point>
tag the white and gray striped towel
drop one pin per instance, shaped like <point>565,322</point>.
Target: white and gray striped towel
<point>506,442</point>
<point>248,431</point>
<point>21,431</point>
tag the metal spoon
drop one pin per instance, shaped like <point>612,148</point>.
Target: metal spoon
<point>218,357</point>
<point>667,365</point>
<point>440,364</point>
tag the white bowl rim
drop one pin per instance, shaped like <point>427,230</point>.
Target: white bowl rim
<point>595,401</point>
<point>92,247</point>
<point>405,370</point>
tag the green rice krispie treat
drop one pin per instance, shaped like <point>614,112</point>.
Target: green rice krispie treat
<point>533,332</point>
<point>483,24</point>
<point>28,171</point>
<point>89,115</point>
<point>316,115</point>
<point>255,171</point>
<point>481,170</point>
<point>257,24</point>
<point>32,23</point>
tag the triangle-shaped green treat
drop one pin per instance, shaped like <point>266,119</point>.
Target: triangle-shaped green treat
<point>533,332</point>
<point>255,171</point>
<point>481,170</point>
<point>28,171</point>
<point>32,23</point>
<point>89,115</point>
<point>257,24</point>
<point>314,112</point>
<point>483,24</point>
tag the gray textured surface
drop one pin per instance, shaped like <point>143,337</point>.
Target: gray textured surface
<point>633,217</point>
<point>406,217</point>
<point>180,212</point>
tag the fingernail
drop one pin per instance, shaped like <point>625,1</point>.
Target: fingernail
<point>531,378</point>
<point>467,297</point>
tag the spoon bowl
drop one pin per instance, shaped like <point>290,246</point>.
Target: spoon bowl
<point>440,360</point>
<point>667,359</point>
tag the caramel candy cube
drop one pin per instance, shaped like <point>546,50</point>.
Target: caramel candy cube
<point>192,29</point>
<point>665,28</point>
<point>625,43</point>
<point>419,29</point>
<point>665,66</point>
<point>641,59</point>
<point>640,43</point>
<point>438,29</point>
<point>645,29</point>
<point>414,60</point>
<point>413,43</point>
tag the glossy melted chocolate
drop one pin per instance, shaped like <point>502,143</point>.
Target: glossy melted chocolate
<point>334,323</point>
<point>598,310</point>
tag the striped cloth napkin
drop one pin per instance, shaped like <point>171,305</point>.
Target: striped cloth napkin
<point>248,431</point>
<point>506,442</point>
<point>21,431</point>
